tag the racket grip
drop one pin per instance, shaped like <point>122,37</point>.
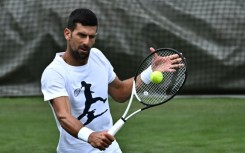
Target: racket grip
<point>116,127</point>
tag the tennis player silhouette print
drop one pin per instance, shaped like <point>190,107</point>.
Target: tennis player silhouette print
<point>88,103</point>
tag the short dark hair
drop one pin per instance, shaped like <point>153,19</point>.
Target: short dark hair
<point>83,16</point>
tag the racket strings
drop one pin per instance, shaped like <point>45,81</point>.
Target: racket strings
<point>156,93</point>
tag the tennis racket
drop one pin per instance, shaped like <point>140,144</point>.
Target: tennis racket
<point>173,66</point>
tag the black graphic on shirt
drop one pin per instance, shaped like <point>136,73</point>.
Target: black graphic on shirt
<point>88,103</point>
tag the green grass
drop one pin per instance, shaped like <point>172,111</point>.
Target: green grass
<point>184,125</point>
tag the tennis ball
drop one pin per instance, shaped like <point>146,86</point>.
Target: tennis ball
<point>156,77</point>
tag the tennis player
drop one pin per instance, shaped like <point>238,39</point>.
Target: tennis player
<point>76,84</point>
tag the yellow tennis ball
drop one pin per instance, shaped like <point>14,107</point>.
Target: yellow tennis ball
<point>156,77</point>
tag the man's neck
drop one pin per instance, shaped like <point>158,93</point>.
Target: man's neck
<point>71,61</point>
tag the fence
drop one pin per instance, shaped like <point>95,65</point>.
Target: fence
<point>210,33</point>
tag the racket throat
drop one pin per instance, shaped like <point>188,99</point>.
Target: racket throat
<point>123,119</point>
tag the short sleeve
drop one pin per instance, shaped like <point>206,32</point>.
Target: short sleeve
<point>107,65</point>
<point>52,84</point>
<point>112,74</point>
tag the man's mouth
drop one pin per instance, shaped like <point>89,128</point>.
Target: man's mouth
<point>82,49</point>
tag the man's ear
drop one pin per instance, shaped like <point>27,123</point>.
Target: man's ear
<point>67,34</point>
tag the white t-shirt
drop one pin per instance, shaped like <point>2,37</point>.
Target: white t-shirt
<point>87,89</point>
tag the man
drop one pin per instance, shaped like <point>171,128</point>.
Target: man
<point>77,83</point>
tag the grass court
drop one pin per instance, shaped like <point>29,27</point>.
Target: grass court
<point>183,125</point>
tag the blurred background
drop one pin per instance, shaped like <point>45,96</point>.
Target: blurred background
<point>210,34</point>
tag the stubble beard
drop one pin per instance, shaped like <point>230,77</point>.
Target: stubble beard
<point>80,56</point>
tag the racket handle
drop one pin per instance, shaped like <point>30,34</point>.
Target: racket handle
<point>116,127</point>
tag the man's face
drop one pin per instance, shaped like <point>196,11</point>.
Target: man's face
<point>80,41</point>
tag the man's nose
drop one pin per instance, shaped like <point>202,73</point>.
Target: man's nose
<point>86,40</point>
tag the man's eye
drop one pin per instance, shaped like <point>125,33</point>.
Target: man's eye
<point>85,36</point>
<point>92,36</point>
<point>82,35</point>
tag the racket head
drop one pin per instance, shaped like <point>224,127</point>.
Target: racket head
<point>152,94</point>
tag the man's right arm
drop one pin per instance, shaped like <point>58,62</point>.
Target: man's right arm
<point>73,126</point>
<point>62,110</point>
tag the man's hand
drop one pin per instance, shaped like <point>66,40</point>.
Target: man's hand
<point>100,140</point>
<point>165,64</point>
